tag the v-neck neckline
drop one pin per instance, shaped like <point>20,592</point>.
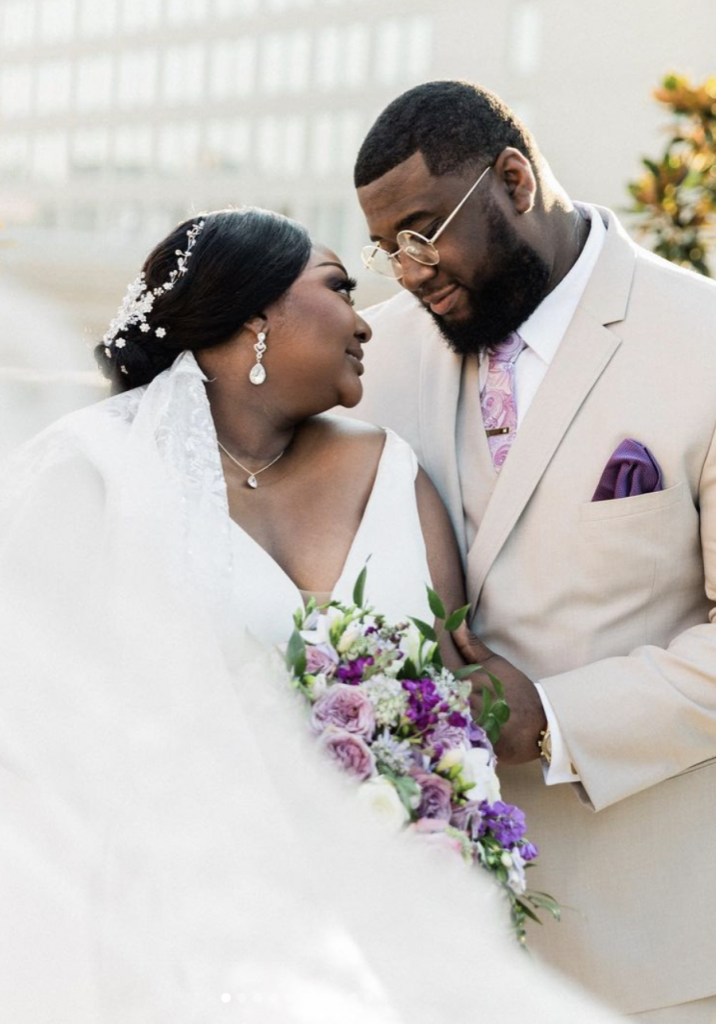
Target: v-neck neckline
<point>350,556</point>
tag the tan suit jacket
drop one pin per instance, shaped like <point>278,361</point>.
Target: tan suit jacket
<point>610,605</point>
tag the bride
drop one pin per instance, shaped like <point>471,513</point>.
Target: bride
<point>170,848</point>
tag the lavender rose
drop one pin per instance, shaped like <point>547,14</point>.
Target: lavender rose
<point>349,751</point>
<point>468,818</point>
<point>346,707</point>
<point>321,659</point>
<point>434,796</point>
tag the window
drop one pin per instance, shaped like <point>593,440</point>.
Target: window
<point>389,58</point>
<point>97,18</point>
<point>18,22</point>
<point>269,145</point>
<point>526,38</point>
<point>54,87</point>
<point>273,63</point>
<point>94,82</point>
<point>328,58</point>
<point>178,148</point>
<point>140,15</point>
<point>183,74</point>
<point>183,12</point>
<point>14,155</point>
<point>294,141</point>
<point>90,150</point>
<point>419,46</point>
<point>133,148</point>
<point>356,54</point>
<point>16,91</point>
<point>298,63</point>
<point>137,81</point>
<point>349,137</point>
<point>230,8</point>
<point>56,19</point>
<point>232,67</point>
<point>322,144</point>
<point>228,144</point>
<point>50,157</point>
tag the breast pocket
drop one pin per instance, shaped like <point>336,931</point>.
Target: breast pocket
<point>639,505</point>
<point>629,545</point>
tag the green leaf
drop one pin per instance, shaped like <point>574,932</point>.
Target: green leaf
<point>463,673</point>
<point>427,631</point>
<point>408,670</point>
<point>456,618</point>
<point>296,654</point>
<point>501,712</point>
<point>526,910</point>
<point>359,588</point>
<point>544,901</point>
<point>436,605</point>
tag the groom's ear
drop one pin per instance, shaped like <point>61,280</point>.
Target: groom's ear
<point>515,172</point>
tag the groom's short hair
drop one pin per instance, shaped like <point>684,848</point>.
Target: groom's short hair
<point>451,123</point>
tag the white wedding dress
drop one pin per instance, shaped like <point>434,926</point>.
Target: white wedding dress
<point>389,541</point>
<point>171,847</point>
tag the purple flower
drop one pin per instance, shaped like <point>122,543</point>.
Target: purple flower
<point>422,700</point>
<point>457,720</point>
<point>345,707</point>
<point>321,658</point>
<point>528,850</point>
<point>505,821</point>
<point>478,737</point>
<point>468,818</point>
<point>435,795</point>
<point>352,673</point>
<point>349,751</point>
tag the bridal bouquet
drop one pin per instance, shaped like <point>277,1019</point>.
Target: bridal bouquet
<point>387,712</point>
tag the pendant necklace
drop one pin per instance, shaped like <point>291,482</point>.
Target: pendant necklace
<point>251,481</point>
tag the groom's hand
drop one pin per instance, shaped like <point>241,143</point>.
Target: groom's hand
<point>518,739</point>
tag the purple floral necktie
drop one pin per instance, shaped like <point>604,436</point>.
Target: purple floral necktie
<point>499,408</point>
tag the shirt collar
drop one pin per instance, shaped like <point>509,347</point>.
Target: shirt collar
<point>544,329</point>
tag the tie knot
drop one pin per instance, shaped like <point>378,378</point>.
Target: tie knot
<point>508,350</point>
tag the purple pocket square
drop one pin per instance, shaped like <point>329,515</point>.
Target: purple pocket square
<point>631,470</point>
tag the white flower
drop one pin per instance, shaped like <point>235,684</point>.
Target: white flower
<point>452,759</point>
<point>160,332</point>
<point>352,633</point>
<point>476,768</point>
<point>516,873</point>
<point>144,328</point>
<point>320,633</point>
<point>120,342</point>
<point>387,696</point>
<point>380,796</point>
<point>319,686</point>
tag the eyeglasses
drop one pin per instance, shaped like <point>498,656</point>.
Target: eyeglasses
<point>410,243</point>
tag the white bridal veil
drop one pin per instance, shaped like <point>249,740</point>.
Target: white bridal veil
<point>170,849</point>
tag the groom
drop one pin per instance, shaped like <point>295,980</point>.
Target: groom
<point>559,386</point>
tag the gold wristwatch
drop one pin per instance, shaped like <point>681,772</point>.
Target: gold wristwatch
<point>544,745</point>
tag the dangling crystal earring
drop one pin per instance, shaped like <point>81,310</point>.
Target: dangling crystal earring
<point>258,373</point>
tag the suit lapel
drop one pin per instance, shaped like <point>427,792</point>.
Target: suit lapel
<point>440,374</point>
<point>583,354</point>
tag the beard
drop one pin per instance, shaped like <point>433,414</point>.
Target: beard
<point>517,285</point>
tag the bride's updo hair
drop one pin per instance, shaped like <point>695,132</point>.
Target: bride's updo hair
<point>241,262</point>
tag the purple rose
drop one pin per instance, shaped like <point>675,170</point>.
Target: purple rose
<point>447,737</point>
<point>349,751</point>
<point>347,708</point>
<point>321,658</point>
<point>434,796</point>
<point>468,818</point>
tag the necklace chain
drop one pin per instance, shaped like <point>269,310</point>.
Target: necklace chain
<point>251,480</point>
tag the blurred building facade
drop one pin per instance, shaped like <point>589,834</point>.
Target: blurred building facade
<point>119,117</point>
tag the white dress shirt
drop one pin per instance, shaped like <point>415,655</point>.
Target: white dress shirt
<point>543,333</point>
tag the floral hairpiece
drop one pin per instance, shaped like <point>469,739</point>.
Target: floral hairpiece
<point>139,300</point>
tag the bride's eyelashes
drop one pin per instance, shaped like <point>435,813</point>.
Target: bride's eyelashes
<point>345,286</point>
